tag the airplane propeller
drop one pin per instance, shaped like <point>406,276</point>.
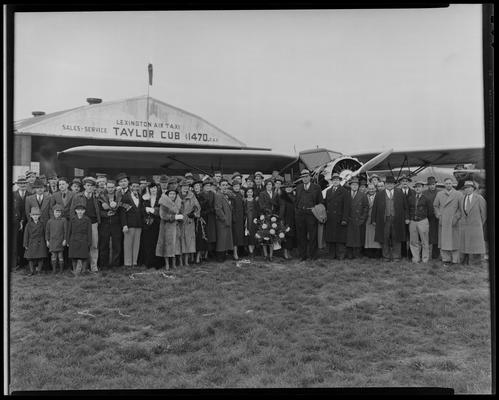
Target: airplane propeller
<point>348,174</point>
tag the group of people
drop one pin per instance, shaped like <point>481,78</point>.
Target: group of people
<point>165,222</point>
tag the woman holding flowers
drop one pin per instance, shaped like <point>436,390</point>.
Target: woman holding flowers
<point>267,203</point>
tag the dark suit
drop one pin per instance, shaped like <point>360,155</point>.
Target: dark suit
<point>306,223</point>
<point>405,249</point>
<point>19,221</point>
<point>65,203</point>
<point>390,231</point>
<point>109,229</point>
<point>356,231</point>
<point>134,220</point>
<point>337,204</point>
<point>435,251</point>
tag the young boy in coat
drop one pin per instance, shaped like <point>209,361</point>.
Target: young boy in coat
<point>34,241</point>
<point>55,235</point>
<point>79,239</point>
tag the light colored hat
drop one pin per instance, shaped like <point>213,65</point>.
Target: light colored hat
<point>304,172</point>
<point>258,173</point>
<point>419,183</point>
<point>90,179</point>
<point>34,211</point>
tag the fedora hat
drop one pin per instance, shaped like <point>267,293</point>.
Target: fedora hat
<point>354,180</point>
<point>279,178</point>
<point>405,177</point>
<point>335,175</point>
<point>20,180</point>
<point>390,179</point>
<point>121,176</point>
<point>164,179</point>
<point>258,173</point>
<point>419,183</point>
<point>304,172</point>
<point>37,183</point>
<point>469,184</point>
<point>81,206</point>
<point>431,180</point>
<point>184,182</point>
<point>237,174</point>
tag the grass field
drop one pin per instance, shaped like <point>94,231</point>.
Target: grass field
<point>285,324</point>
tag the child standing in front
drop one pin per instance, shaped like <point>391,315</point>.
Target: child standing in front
<point>55,234</point>
<point>34,242</point>
<point>79,239</point>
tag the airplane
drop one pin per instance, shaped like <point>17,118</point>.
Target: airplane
<point>458,163</point>
<point>320,161</point>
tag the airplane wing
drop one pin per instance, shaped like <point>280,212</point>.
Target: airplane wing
<point>174,159</point>
<point>416,158</point>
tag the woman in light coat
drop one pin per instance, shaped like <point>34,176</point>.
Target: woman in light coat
<point>190,209</point>
<point>169,239</point>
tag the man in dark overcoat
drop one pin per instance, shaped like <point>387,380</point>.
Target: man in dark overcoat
<point>431,193</point>
<point>409,195</point>
<point>390,214</point>
<point>308,195</point>
<point>110,229</point>
<point>356,229</point>
<point>19,219</point>
<point>337,203</point>
<point>223,211</point>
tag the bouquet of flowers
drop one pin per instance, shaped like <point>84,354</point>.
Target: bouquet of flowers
<point>270,230</point>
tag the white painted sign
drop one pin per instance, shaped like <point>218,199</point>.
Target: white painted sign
<point>79,172</point>
<point>35,167</point>
<point>139,120</point>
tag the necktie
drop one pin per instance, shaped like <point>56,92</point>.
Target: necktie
<point>39,200</point>
<point>353,194</point>
<point>468,201</point>
<point>64,196</point>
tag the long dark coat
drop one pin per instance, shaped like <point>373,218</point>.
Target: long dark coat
<point>433,220</point>
<point>267,204</point>
<point>79,237</point>
<point>55,233</point>
<point>401,214</point>
<point>237,203</point>
<point>208,214</point>
<point>149,235</point>
<point>201,235</point>
<point>337,203</point>
<point>224,223</point>
<point>287,216</point>
<point>34,240</point>
<point>356,229</point>
<point>250,213</point>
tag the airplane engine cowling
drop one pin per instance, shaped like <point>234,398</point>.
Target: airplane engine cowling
<point>343,166</point>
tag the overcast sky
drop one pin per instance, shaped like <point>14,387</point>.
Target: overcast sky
<point>348,80</point>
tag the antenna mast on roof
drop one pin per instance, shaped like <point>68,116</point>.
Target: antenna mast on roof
<point>149,70</point>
